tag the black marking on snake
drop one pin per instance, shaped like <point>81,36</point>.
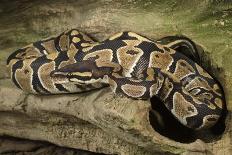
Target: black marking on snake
<point>39,46</point>
<point>62,56</point>
<point>17,65</point>
<point>13,55</point>
<point>60,87</point>
<point>57,42</point>
<point>36,83</point>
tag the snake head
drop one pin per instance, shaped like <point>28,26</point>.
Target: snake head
<point>84,72</point>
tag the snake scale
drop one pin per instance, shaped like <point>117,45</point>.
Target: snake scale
<point>130,64</point>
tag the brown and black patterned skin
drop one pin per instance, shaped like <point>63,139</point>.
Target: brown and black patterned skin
<point>131,64</point>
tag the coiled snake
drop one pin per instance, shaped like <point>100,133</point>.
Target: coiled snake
<point>132,65</point>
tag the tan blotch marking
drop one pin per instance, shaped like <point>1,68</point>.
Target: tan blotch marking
<point>150,73</point>
<point>88,46</point>
<point>218,102</point>
<point>76,39</point>
<point>74,32</point>
<point>30,52</point>
<point>129,55</point>
<point>72,51</point>
<point>116,36</point>
<point>105,55</point>
<point>211,106</point>
<point>136,80</point>
<point>167,88</point>
<point>9,66</point>
<point>85,44</point>
<point>217,89</point>
<point>182,108</point>
<point>64,42</point>
<point>160,60</point>
<point>202,72</point>
<point>139,37</point>
<point>202,97</point>
<point>198,82</point>
<point>116,67</point>
<point>207,96</point>
<point>209,121</point>
<point>161,47</point>
<point>52,56</point>
<point>71,54</point>
<point>154,89</point>
<point>183,69</point>
<point>49,46</point>
<point>24,76</point>
<point>133,90</point>
<point>45,78</point>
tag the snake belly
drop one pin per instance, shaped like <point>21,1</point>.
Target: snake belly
<point>130,64</point>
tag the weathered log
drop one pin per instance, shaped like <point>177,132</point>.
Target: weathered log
<point>100,121</point>
<point>17,146</point>
<point>96,121</point>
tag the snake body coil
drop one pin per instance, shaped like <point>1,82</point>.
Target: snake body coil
<point>131,64</point>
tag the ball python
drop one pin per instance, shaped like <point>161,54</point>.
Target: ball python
<point>131,64</point>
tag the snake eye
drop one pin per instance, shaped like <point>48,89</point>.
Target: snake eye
<point>69,74</point>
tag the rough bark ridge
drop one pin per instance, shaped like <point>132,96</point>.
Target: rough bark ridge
<point>100,121</point>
